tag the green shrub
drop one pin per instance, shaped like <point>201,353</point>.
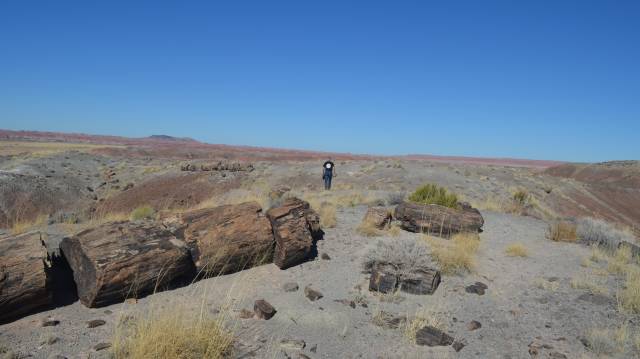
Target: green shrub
<point>434,194</point>
<point>143,212</point>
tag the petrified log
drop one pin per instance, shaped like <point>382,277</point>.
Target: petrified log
<point>420,281</point>
<point>119,260</point>
<point>228,238</point>
<point>379,217</point>
<point>295,227</point>
<point>431,336</point>
<point>438,220</point>
<point>383,279</point>
<point>23,276</point>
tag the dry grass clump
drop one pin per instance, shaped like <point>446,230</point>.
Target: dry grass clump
<point>588,283</point>
<point>434,194</point>
<point>629,296</point>
<point>368,229</point>
<point>562,231</point>
<point>394,230</point>
<point>327,213</point>
<point>142,212</point>
<point>517,250</point>
<point>621,261</point>
<point>424,317</point>
<point>604,341</point>
<point>457,255</point>
<point>19,227</point>
<point>546,285</point>
<point>172,334</point>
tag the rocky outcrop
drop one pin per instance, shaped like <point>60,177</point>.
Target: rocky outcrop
<point>295,227</point>
<point>438,220</point>
<point>23,276</point>
<point>378,217</point>
<point>118,260</point>
<point>228,238</point>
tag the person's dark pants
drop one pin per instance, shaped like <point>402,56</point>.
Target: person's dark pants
<point>327,182</point>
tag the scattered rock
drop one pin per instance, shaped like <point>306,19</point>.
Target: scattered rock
<point>325,256</point>
<point>473,325</point>
<point>263,309</point>
<point>478,288</point>
<point>458,345</point>
<point>432,337</point>
<point>292,344</point>
<point>95,323</point>
<point>49,340</point>
<point>557,355</point>
<point>290,287</point>
<point>303,356</point>
<point>102,346</point>
<point>49,322</point>
<point>350,303</point>
<point>313,348</point>
<point>312,294</point>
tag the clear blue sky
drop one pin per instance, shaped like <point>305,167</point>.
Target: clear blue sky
<point>537,79</point>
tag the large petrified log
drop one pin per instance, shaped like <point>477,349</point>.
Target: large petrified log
<point>228,238</point>
<point>23,276</point>
<point>387,278</point>
<point>118,260</point>
<point>296,227</point>
<point>438,220</point>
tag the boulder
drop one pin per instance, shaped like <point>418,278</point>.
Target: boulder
<point>118,260</point>
<point>438,220</point>
<point>228,238</point>
<point>379,217</point>
<point>23,276</point>
<point>295,227</point>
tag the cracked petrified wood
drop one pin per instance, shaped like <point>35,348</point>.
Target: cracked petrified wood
<point>23,275</point>
<point>438,220</point>
<point>119,260</point>
<point>228,238</point>
<point>295,226</point>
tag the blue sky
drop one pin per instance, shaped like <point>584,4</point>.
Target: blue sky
<point>538,79</point>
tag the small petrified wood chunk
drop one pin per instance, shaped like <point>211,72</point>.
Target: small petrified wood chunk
<point>438,220</point>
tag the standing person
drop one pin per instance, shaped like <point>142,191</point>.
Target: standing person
<point>328,171</point>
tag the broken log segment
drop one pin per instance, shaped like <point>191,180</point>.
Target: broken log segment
<point>23,276</point>
<point>120,260</point>
<point>296,227</point>
<point>438,220</point>
<point>228,239</point>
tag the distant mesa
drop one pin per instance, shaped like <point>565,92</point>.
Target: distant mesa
<point>171,138</point>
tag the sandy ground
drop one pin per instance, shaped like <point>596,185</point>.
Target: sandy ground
<point>515,313</point>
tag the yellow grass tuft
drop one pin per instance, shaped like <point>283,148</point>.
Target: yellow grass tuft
<point>561,231</point>
<point>457,255</point>
<point>327,213</point>
<point>546,285</point>
<point>142,212</point>
<point>629,296</point>
<point>588,283</point>
<point>172,334</point>
<point>517,250</point>
<point>620,262</point>
<point>25,226</point>
<point>424,317</point>
<point>368,229</point>
<point>605,341</point>
<point>394,230</point>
